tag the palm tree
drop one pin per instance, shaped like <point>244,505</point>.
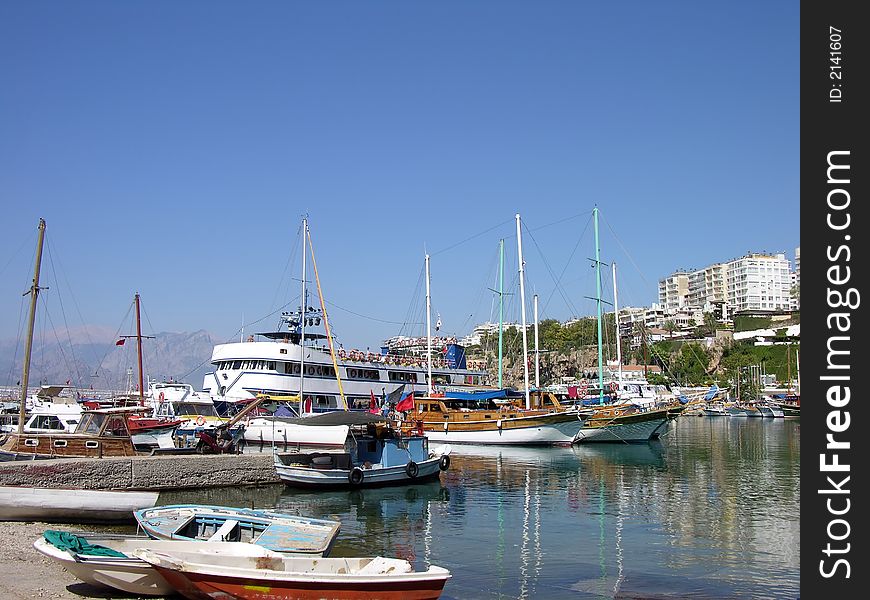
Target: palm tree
<point>710,322</point>
<point>670,327</point>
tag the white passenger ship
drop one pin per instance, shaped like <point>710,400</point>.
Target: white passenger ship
<point>273,365</point>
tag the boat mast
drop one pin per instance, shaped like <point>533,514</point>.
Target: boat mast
<point>139,352</point>
<point>537,356</point>
<point>500,309</point>
<point>523,312</point>
<point>428,331</point>
<point>788,362</point>
<point>616,323</point>
<point>34,292</point>
<point>303,310</point>
<point>326,322</point>
<point>598,303</point>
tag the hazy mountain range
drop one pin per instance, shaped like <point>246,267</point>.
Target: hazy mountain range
<point>104,365</point>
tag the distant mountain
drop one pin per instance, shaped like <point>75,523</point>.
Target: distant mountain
<point>107,366</point>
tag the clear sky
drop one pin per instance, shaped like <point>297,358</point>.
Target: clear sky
<point>173,148</point>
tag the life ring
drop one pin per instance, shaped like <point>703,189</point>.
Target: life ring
<point>161,397</point>
<point>356,476</point>
<point>412,469</point>
<point>444,463</point>
<point>200,420</point>
<point>418,429</point>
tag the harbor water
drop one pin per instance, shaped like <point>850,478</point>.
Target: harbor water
<point>710,511</point>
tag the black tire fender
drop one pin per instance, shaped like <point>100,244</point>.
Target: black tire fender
<point>444,463</point>
<point>412,469</point>
<point>356,476</point>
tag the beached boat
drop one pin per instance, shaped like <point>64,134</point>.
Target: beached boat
<point>106,560</point>
<point>21,503</point>
<point>273,530</point>
<point>223,574</point>
<point>381,455</point>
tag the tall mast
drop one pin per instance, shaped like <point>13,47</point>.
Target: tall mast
<point>428,331</point>
<point>537,355</point>
<point>139,352</point>
<point>303,311</point>
<point>326,324</point>
<point>523,312</point>
<point>788,361</point>
<point>500,309</point>
<point>616,323</point>
<point>34,292</point>
<point>598,303</point>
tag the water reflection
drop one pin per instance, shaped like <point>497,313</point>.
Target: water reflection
<point>712,511</point>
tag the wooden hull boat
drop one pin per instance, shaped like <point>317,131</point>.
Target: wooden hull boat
<point>71,505</point>
<point>470,421</point>
<point>225,575</point>
<point>272,530</point>
<point>624,424</point>
<point>100,433</point>
<point>86,559</point>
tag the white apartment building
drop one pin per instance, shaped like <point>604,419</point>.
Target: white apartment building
<point>796,278</point>
<point>674,291</point>
<point>759,282</point>
<point>483,329</point>
<point>707,286</point>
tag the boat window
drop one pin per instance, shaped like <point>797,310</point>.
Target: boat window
<point>116,425</point>
<point>60,443</point>
<point>270,365</point>
<point>438,378</point>
<point>91,423</point>
<point>237,364</point>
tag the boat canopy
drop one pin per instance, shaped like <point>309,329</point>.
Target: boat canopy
<point>337,417</point>
<point>476,395</point>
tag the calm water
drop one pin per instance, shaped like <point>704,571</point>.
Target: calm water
<point>712,511</point>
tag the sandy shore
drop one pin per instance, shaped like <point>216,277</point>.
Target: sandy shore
<point>27,574</point>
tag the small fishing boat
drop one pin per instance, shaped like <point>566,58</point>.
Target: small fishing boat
<point>224,574</point>
<point>377,455</point>
<point>276,531</point>
<point>106,560</point>
<point>20,503</point>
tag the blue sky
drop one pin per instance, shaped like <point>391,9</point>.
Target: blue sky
<point>173,147</point>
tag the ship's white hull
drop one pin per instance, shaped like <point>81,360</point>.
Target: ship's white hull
<point>232,381</point>
<point>556,434</point>
<point>639,431</point>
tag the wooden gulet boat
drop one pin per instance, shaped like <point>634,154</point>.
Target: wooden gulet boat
<point>483,421</point>
<point>223,574</point>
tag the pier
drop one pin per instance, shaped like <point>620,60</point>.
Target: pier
<point>142,472</point>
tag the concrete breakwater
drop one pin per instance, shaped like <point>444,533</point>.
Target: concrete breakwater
<point>142,472</point>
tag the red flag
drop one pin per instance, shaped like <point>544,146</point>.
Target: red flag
<point>120,342</point>
<point>406,403</point>
<point>373,404</point>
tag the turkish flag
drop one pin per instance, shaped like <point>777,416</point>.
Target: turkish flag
<point>120,342</point>
<point>406,403</point>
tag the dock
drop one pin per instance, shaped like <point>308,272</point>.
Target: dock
<point>169,472</point>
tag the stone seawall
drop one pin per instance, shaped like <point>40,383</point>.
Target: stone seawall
<point>142,472</point>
